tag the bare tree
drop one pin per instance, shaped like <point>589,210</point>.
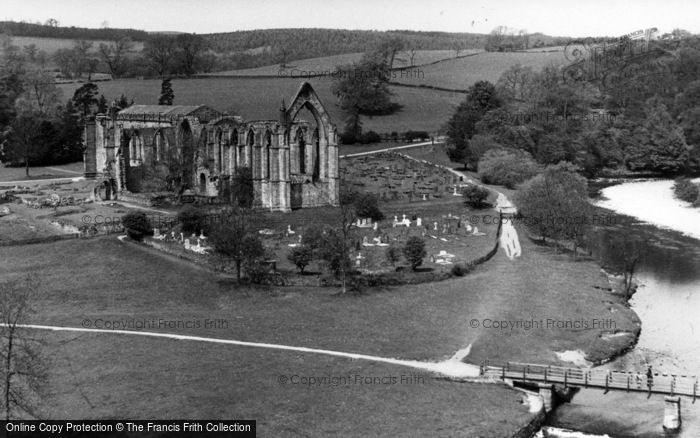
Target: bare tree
<point>81,50</point>
<point>335,250</point>
<point>40,92</point>
<point>114,55</point>
<point>159,50</point>
<point>23,365</point>
<point>411,55</point>
<point>631,249</point>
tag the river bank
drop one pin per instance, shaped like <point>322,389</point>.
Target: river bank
<point>667,302</point>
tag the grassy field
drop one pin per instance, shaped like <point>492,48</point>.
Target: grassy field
<point>303,67</point>
<point>41,172</point>
<point>257,99</point>
<point>460,74</point>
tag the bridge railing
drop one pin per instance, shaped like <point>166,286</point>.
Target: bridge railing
<point>673,384</point>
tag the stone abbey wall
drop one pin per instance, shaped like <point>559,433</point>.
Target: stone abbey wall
<point>197,150</point>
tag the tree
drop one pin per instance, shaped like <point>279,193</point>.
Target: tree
<point>475,196</point>
<point>136,224</point>
<point>65,59</point>
<point>481,98</point>
<point>393,254</point>
<point>335,250</point>
<point>85,99</point>
<point>167,95</point>
<point>159,50</point>
<point>367,206</point>
<point>301,256</point>
<point>24,144</point>
<point>190,48</point>
<point>114,54</point>
<point>414,251</point>
<point>81,49</point>
<point>242,189</point>
<point>40,93</point>
<point>363,88</point>
<point>507,167</point>
<point>514,82</point>
<point>555,204</point>
<point>237,240</point>
<point>23,364</point>
<point>630,250</point>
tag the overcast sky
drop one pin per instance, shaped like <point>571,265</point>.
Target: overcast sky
<point>553,17</point>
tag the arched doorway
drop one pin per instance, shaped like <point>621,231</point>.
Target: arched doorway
<point>202,183</point>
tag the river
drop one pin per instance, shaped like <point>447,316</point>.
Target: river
<point>667,302</point>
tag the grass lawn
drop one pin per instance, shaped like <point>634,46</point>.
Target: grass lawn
<point>256,99</point>
<point>71,170</point>
<point>111,376</point>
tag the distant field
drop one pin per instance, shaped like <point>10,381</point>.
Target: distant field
<point>305,67</point>
<point>460,74</point>
<point>51,45</point>
<point>256,99</point>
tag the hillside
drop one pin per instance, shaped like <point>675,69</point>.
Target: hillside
<point>318,66</point>
<point>14,28</point>
<point>461,73</point>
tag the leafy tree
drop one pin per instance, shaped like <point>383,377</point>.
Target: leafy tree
<point>301,256</point>
<point>102,105</point>
<point>393,254</point>
<point>85,99</point>
<point>414,251</point>
<point>367,206</point>
<point>475,196</point>
<point>24,366</point>
<point>663,146</point>
<point>364,88</point>
<point>555,204</point>
<point>25,143</point>
<point>193,219</point>
<point>166,93</point>
<point>136,224</point>
<point>81,57</point>
<point>506,167</point>
<point>237,240</point>
<point>242,190</point>
<point>481,98</point>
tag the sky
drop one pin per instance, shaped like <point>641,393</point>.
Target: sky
<point>553,17</point>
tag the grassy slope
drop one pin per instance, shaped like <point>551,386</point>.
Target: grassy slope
<point>329,63</point>
<point>256,99</point>
<point>460,74</point>
<point>96,376</point>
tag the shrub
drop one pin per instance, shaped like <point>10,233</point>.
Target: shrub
<point>347,138</point>
<point>686,190</point>
<point>367,205</point>
<point>392,254</point>
<point>301,256</point>
<point>136,224</point>
<point>312,237</point>
<point>414,251</point>
<point>475,196</point>
<point>370,137</point>
<point>413,135</point>
<point>506,167</point>
<point>193,220</point>
<point>460,270</point>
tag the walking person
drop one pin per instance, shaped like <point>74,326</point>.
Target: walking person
<point>650,378</point>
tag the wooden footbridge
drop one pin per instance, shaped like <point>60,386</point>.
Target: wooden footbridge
<point>666,384</point>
